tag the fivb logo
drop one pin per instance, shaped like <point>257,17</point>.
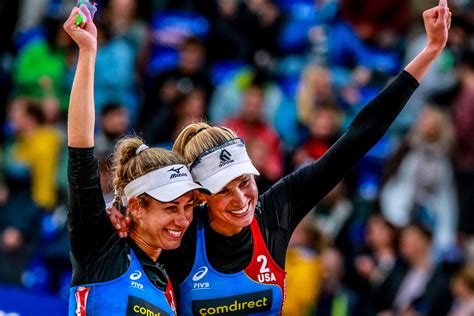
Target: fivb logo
<point>177,173</point>
<point>202,271</point>
<point>225,157</point>
<point>134,277</point>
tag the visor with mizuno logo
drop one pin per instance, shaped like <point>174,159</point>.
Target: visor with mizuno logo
<point>218,166</point>
<point>164,184</point>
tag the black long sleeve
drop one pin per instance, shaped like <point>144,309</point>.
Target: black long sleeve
<point>285,204</point>
<point>89,226</point>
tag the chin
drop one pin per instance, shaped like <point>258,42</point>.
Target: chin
<point>171,245</point>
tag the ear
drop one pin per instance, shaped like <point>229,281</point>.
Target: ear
<point>199,197</point>
<point>134,207</point>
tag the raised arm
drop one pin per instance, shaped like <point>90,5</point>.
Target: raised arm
<point>89,227</point>
<point>81,116</point>
<point>296,194</point>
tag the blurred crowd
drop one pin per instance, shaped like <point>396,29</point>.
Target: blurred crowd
<point>396,237</point>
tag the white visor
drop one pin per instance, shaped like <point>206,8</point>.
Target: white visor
<point>219,166</point>
<point>164,184</point>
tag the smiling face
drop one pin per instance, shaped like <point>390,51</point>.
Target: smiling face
<point>233,207</point>
<point>161,225</point>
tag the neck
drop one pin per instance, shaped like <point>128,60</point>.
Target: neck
<point>385,252</point>
<point>422,262</point>
<point>150,251</point>
<point>468,297</point>
<point>29,129</point>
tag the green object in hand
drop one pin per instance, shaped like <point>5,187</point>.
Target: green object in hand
<point>79,19</point>
<point>91,6</point>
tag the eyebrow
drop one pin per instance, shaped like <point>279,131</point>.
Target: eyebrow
<point>175,203</point>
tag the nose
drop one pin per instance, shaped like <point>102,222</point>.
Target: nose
<point>181,219</point>
<point>239,198</point>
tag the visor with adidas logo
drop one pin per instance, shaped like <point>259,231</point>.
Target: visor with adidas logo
<point>216,167</point>
<point>164,184</point>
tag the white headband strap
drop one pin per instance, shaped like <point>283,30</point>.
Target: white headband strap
<point>141,148</point>
<point>221,158</point>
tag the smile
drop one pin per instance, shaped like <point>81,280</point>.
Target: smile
<point>242,212</point>
<point>174,233</point>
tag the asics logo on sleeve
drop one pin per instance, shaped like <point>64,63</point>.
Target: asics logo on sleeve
<point>200,274</point>
<point>135,275</point>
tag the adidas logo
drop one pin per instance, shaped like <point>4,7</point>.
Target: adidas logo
<point>225,157</point>
<point>177,173</point>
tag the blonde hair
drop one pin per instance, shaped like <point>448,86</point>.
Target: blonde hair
<point>306,95</point>
<point>127,165</point>
<point>196,138</point>
<point>445,134</point>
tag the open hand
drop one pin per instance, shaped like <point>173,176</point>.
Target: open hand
<point>437,22</point>
<point>84,34</point>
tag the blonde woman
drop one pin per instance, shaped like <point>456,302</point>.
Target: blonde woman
<point>232,259</point>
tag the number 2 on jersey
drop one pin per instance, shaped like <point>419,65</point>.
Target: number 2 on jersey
<point>263,260</point>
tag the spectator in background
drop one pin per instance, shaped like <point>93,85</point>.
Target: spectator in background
<point>324,127</point>
<point>303,268</point>
<point>31,160</point>
<point>251,126</point>
<point>332,216</point>
<point>314,90</point>
<point>228,39</point>
<point>334,298</point>
<point>189,75</point>
<point>463,109</point>
<point>114,123</point>
<point>372,265</point>
<point>462,285</point>
<point>416,285</point>
<point>420,182</point>
<point>263,32</point>
<point>185,109</point>
<point>115,76</point>
<point>227,98</point>
<point>126,22</point>
<point>41,68</point>
<point>381,23</point>
<point>34,150</point>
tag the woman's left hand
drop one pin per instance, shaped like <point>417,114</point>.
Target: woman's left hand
<point>437,22</point>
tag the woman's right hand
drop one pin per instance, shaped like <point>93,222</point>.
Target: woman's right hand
<point>84,34</point>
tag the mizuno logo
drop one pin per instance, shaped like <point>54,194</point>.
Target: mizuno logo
<point>177,172</point>
<point>225,157</point>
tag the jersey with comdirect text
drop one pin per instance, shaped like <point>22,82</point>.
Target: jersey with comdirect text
<point>258,289</point>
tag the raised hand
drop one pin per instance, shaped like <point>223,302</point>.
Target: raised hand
<point>84,34</point>
<point>437,22</point>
